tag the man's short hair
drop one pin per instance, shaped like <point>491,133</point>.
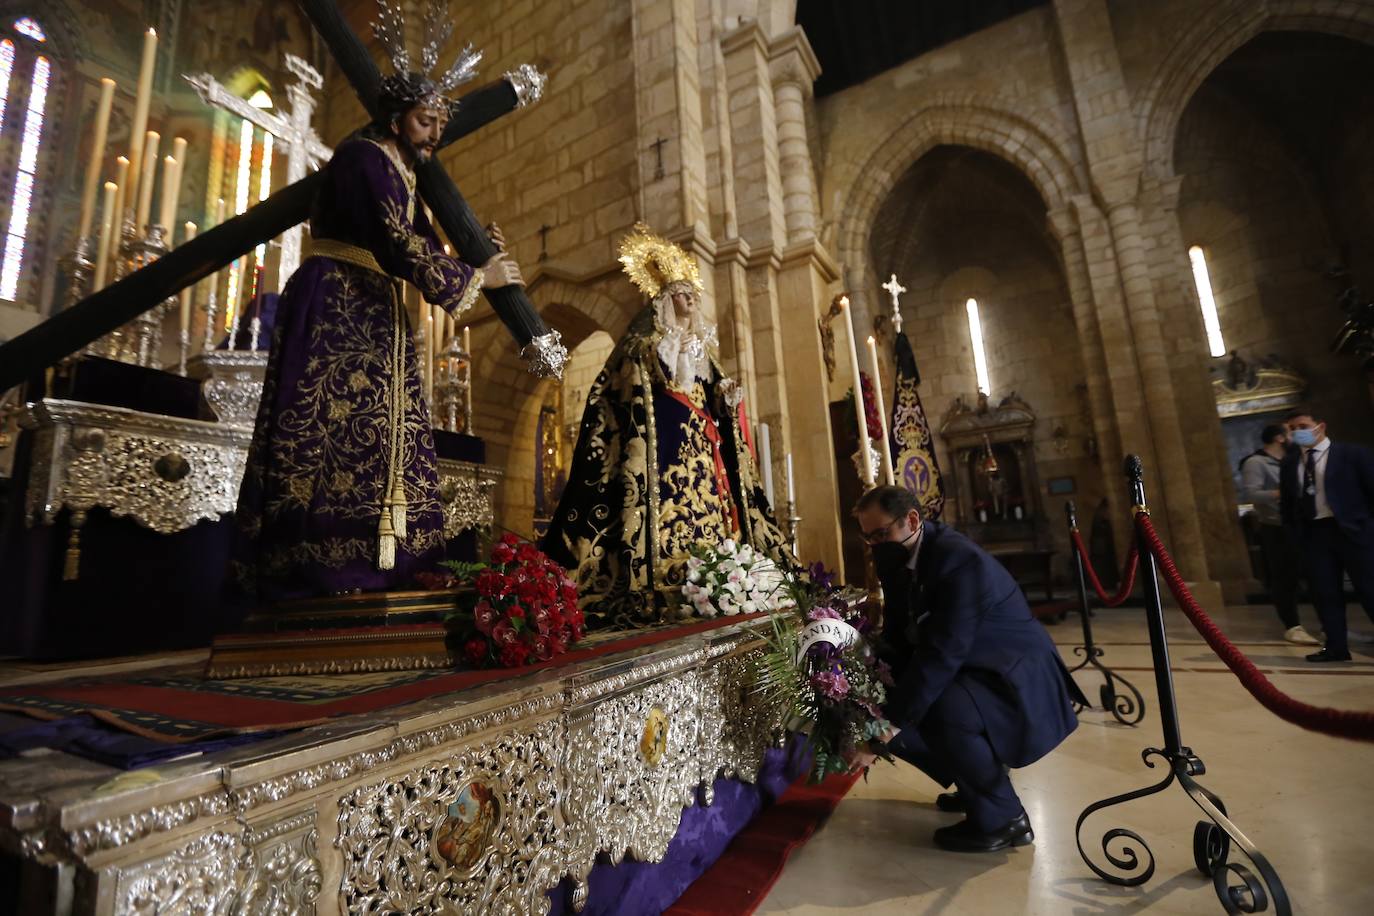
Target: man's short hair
<point>1272,432</point>
<point>894,501</point>
<point>1304,412</point>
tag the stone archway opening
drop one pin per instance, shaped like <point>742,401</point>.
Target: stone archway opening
<point>1276,191</point>
<point>962,223</point>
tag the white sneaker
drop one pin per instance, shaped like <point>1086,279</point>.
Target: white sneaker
<point>1300,637</point>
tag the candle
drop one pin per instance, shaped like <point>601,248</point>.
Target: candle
<point>141,101</point>
<point>791,486</point>
<point>179,154</point>
<point>145,185</point>
<point>467,341</point>
<point>169,193</point>
<point>886,450</point>
<point>766,460</point>
<point>866,466</point>
<point>97,158</point>
<point>186,293</point>
<point>102,252</point>
<point>121,181</point>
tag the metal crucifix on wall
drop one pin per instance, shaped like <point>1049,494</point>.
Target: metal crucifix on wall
<point>292,129</point>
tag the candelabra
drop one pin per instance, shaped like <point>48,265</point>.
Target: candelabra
<point>140,340</point>
<point>453,388</point>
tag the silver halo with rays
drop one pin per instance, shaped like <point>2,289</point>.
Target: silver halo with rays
<point>408,86</point>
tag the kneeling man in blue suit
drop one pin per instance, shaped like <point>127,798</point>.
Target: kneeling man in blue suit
<point>980,686</point>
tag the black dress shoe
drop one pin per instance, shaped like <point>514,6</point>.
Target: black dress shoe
<point>952,802</point>
<point>1326,656</point>
<point>964,837</point>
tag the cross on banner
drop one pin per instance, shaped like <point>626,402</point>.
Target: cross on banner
<point>304,150</point>
<point>895,289</point>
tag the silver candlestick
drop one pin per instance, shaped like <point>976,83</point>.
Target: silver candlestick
<point>255,329</point>
<point>793,525</point>
<point>211,310</point>
<point>184,350</point>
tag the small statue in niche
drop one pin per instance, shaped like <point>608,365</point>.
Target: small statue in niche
<point>828,336</point>
<point>1238,374</point>
<point>997,488</point>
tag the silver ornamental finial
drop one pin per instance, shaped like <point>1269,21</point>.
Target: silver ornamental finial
<point>528,84</point>
<point>546,355</point>
<point>895,289</point>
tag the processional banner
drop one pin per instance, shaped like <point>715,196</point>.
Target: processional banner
<point>914,459</point>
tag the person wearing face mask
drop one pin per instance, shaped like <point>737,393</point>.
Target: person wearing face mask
<point>1327,500</point>
<point>1260,472</point>
<point>980,688</point>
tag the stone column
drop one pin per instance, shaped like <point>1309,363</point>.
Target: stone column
<point>794,70</point>
<point>1064,225</point>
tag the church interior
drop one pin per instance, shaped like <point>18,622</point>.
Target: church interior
<point>985,253</point>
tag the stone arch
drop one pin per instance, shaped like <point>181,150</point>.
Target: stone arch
<point>577,310</point>
<point>1215,36</point>
<point>1034,146</point>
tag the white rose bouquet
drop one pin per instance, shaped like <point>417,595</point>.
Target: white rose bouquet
<point>732,579</point>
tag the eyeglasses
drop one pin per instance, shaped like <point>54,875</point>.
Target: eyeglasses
<point>878,535</point>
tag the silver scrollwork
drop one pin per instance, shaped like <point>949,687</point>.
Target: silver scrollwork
<point>391,833</point>
<point>196,879</point>
<point>465,494</point>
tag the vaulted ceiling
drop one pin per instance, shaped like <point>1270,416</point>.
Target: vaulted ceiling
<point>857,39</point>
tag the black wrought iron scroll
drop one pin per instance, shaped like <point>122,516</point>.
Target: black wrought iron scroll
<point>1239,888</point>
<point>1126,706</point>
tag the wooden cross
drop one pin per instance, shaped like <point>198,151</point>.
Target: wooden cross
<point>292,130</point>
<point>658,148</point>
<point>895,289</point>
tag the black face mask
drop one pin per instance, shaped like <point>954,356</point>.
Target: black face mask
<point>890,557</point>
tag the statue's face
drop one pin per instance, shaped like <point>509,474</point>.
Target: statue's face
<point>418,132</point>
<point>684,300</point>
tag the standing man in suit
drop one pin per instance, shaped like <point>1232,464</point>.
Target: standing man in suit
<point>979,685</point>
<point>1260,475</point>
<point>1327,499</point>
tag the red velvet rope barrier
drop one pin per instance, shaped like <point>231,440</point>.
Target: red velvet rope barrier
<point>1127,575</point>
<point>1341,723</point>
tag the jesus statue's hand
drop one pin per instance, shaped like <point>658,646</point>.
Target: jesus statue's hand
<point>501,271</point>
<point>497,237</point>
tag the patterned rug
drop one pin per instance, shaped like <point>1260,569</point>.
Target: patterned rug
<point>180,704</point>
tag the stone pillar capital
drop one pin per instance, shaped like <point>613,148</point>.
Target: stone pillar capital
<point>1063,222</point>
<point>791,60</point>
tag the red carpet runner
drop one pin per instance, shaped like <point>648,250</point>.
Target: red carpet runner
<point>739,880</point>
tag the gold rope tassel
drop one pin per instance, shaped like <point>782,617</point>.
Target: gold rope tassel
<point>386,539</point>
<point>398,506</point>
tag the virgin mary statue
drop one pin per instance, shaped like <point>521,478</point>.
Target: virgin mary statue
<point>663,465</point>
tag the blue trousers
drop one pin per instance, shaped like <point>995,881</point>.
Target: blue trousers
<point>950,745</point>
<point>1332,554</point>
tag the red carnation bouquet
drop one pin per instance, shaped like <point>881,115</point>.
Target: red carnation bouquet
<point>521,607</point>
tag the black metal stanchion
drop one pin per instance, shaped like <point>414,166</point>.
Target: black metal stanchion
<point>1213,838</point>
<point>1126,706</point>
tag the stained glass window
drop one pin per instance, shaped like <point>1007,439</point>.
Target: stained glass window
<point>1210,319</point>
<point>6,67</point>
<point>980,357</point>
<point>30,29</point>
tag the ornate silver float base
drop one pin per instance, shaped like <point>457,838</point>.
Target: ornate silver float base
<point>479,803</point>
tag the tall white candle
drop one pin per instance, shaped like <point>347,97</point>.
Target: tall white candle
<point>866,466</point>
<point>102,252</point>
<point>123,175</point>
<point>186,293</point>
<point>169,193</point>
<point>142,100</point>
<point>766,461</point>
<point>145,185</point>
<point>791,484</point>
<point>886,448</point>
<point>97,159</point>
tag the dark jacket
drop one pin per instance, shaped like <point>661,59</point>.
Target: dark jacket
<point>964,613</point>
<point>1349,479</point>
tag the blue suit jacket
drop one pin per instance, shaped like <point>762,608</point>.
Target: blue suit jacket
<point>1349,479</point>
<point>965,614</point>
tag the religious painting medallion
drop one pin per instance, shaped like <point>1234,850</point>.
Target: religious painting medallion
<point>467,830</point>
<point>654,742</point>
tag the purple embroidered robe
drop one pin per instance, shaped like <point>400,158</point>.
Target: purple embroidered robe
<point>342,430</point>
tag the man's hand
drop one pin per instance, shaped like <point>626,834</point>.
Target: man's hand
<point>860,760</point>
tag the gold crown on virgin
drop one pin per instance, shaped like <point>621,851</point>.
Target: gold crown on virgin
<point>408,86</point>
<point>653,263</point>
